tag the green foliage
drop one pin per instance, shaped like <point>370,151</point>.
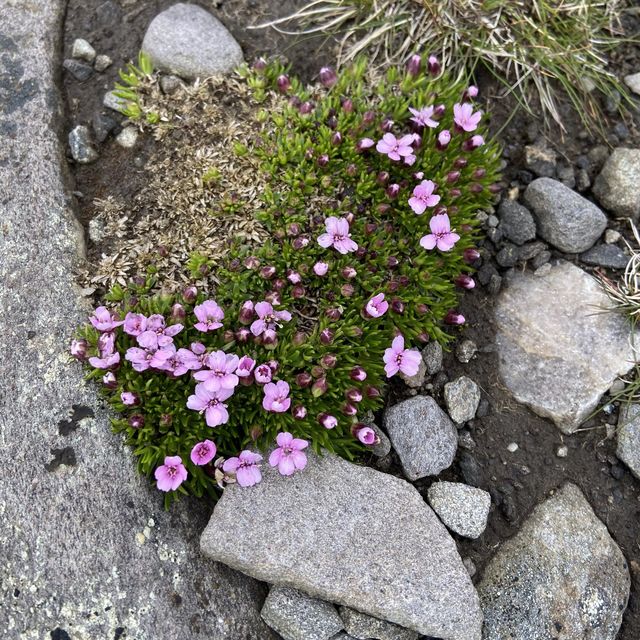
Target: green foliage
<point>135,82</point>
<point>329,333</point>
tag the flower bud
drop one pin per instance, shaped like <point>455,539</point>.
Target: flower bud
<point>255,432</point>
<point>433,65</point>
<point>139,281</point>
<point>358,374</point>
<point>365,434</point>
<point>336,138</point>
<point>299,412</point>
<point>304,379</point>
<point>392,191</point>
<point>479,173</point>
<point>392,262</point>
<point>293,276</point>
<point>333,314</point>
<point>229,336</point>
<point>274,298</point>
<point>329,360</point>
<point>294,101</point>
<point>471,92</point>
<point>439,210</point>
<point>473,143</point>
<point>349,410</point>
<point>476,187</point>
<point>166,420</point>
<point>496,188</point>
<point>353,395</point>
<point>349,217</point>
<point>347,105</point>
<point>317,371</point>
<point>465,281</point>
<point>386,125</point>
<point>439,111</point>
<point>323,160</point>
<point>368,118</point>
<point>299,338</point>
<point>234,265</point>
<point>243,334</point>
<point>326,336</point>
<point>422,309</point>
<point>453,176</point>
<point>259,65</point>
<point>246,312</point>
<point>332,122</point>
<point>413,66</point>
<point>397,306</point>
<point>328,421</point>
<point>305,107</point>
<point>453,317</point>
<point>269,339</point>
<point>348,273</point>
<point>328,77</point>
<point>354,332</point>
<point>293,230</point>
<point>382,178</point>
<point>444,138</point>
<point>267,272</point>
<point>283,82</point>
<point>454,193</point>
<point>471,255</point>
<point>298,292</point>
<point>130,399</point>
<point>177,312</point>
<point>364,144</point>
<point>300,242</point>
<point>109,380</point>
<point>320,268</point>
<point>423,337</point>
<point>279,284</point>
<point>190,294</point>
<point>319,387</point>
<point>372,392</point>
<point>136,421</point>
<point>347,290</point>
<point>351,170</point>
<point>79,349</point>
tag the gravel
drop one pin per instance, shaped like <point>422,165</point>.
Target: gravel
<point>633,82</point>
<point>564,218</point>
<point>82,50</point>
<point>516,222</point>
<point>463,509</point>
<point>81,146</point>
<point>606,255</point>
<point>462,397</point>
<point>79,70</point>
<point>102,63</point>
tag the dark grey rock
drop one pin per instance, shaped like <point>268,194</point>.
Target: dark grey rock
<point>79,70</point>
<point>494,286</point>
<point>530,251</point>
<point>606,255</point>
<point>558,353</point>
<point>564,218</point>
<point>470,469</point>
<point>432,356</point>
<point>562,573</point>
<point>516,222</point>
<point>187,41</point>
<point>485,273</point>
<point>483,408</point>
<point>567,176</point>
<point>422,435</point>
<point>363,627</point>
<point>170,84</point>
<point>583,181</point>
<point>540,159</point>
<point>508,255</point>
<point>87,547</point>
<point>465,440</point>
<point>297,616</point>
<point>541,259</point>
<point>597,155</point>
<point>102,126</point>
<point>628,450</point>
<point>462,397</point>
<point>403,567</point>
<point>617,185</point>
<point>81,146</point>
<point>621,131</point>
<point>495,234</point>
<point>463,509</point>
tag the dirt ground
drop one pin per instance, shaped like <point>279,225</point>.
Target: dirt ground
<point>517,481</point>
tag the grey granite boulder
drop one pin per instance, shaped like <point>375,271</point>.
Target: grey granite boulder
<point>463,509</point>
<point>350,535</point>
<point>628,449</point>
<point>516,222</point>
<point>560,576</point>
<point>462,397</point>
<point>88,550</point>
<point>363,627</point>
<point>564,218</point>
<point>297,616</point>
<point>422,435</point>
<point>189,42</point>
<point>617,185</point>
<point>558,348</point>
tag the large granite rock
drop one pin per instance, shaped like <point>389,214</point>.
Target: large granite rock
<point>617,185</point>
<point>558,350</point>
<point>564,218</point>
<point>88,551</point>
<point>628,449</point>
<point>189,42</point>
<point>321,531</point>
<point>561,576</point>
<point>422,435</point>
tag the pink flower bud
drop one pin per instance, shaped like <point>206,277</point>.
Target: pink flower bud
<point>364,144</point>
<point>470,92</point>
<point>323,160</point>
<point>347,290</point>
<point>166,420</point>
<point>423,337</point>
<point>348,273</point>
<point>332,121</point>
<point>476,187</point>
<point>299,412</point>
<point>347,105</point>
<point>454,193</point>
<point>413,66</point>
<point>279,284</point>
<point>300,242</point>
<point>317,371</point>
<point>304,379</point>
<point>382,178</point>
<point>368,118</point>
<point>397,306</point>
<point>326,336</point>
<point>422,308</point>
<point>299,338</point>
<point>294,101</point>
<point>328,360</point>
<point>354,332</point>
<point>479,173</point>
<point>333,314</point>
<point>243,334</point>
<point>274,298</point>
<point>109,380</point>
<point>370,228</point>
<point>358,374</point>
<point>129,399</point>
<point>465,281</point>
<point>177,312</point>
<point>298,292</point>
<point>392,191</point>
<point>259,65</point>
<point>293,230</point>
<point>372,392</point>
<point>319,387</point>
<point>263,374</point>
<point>353,395</point>
<point>496,188</point>
<point>229,336</point>
<point>471,255</point>
<point>336,138</point>
<point>453,176</point>
<point>293,276</point>
<point>284,84</point>
<point>136,421</point>
<point>444,138</point>
<point>251,262</point>
<point>79,349</point>
<point>349,410</point>
<point>328,421</point>
<point>320,268</point>
<point>328,77</point>
<point>453,317</point>
<point>473,143</point>
<point>305,107</point>
<point>433,65</point>
<point>439,111</point>
<point>190,294</point>
<point>267,272</point>
<point>386,125</point>
<point>246,314</point>
<point>365,434</point>
<point>351,170</point>
<point>269,339</point>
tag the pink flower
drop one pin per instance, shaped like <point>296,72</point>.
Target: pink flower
<point>263,374</point>
<point>397,148</point>
<point>320,268</point>
<point>328,421</point>
<point>103,320</point>
<point>203,452</point>
<point>135,323</point>
<point>268,319</point>
<point>397,358</point>
<point>422,117</point>
<point>79,349</point>
<point>441,235</point>
<point>156,325</point>
<point>367,435</point>
<point>377,306</point>
<point>365,143</point>
<point>444,138</point>
<point>276,397</point>
<point>245,367</point>
<point>108,357</point>
<point>289,456</point>
<point>337,236</point>
<point>149,356</point>
<point>423,197</point>
<point>129,398</point>
<point>245,466</point>
<point>109,380</point>
<point>171,474</point>
<point>211,403</point>
<point>465,118</point>
<point>209,316</point>
<point>200,355</point>
<point>180,362</point>
<point>221,371</point>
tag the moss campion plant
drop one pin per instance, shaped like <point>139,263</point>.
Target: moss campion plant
<point>373,189</point>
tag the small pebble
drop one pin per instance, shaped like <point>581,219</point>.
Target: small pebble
<point>82,50</point>
<point>102,63</point>
<point>611,236</point>
<point>562,451</point>
<point>493,221</point>
<point>79,70</point>
<point>111,101</point>
<point>128,137</point>
<point>512,447</point>
<point>543,270</point>
<point>170,84</point>
<point>466,350</point>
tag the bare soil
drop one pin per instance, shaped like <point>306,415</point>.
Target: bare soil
<point>517,481</point>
